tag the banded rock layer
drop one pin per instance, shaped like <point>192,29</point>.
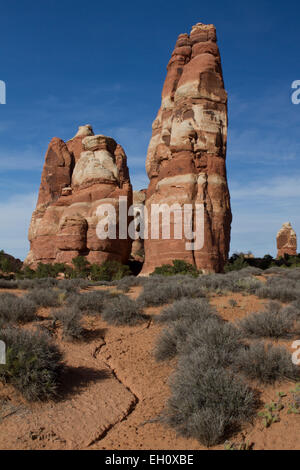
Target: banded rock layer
<point>187,152</point>
<point>78,176</point>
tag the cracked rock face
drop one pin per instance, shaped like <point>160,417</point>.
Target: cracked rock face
<point>187,152</point>
<point>78,176</point>
<point>286,241</point>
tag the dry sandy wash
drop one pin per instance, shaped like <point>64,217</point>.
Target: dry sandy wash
<point>116,391</point>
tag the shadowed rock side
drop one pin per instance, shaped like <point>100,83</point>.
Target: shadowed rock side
<point>187,151</point>
<point>78,176</point>
<point>286,241</point>
<point>137,250</point>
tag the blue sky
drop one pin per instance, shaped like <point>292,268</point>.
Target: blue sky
<point>68,63</point>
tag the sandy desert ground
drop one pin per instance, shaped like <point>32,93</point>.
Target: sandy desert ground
<point>114,392</point>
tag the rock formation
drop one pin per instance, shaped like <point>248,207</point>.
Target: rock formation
<point>187,151</point>
<point>137,250</point>
<point>286,241</point>
<point>78,176</point>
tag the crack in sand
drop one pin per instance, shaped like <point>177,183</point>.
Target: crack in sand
<point>135,402</point>
<point>130,410</point>
<point>98,349</point>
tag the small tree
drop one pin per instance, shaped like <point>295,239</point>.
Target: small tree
<point>109,271</point>
<point>178,267</point>
<point>81,265</point>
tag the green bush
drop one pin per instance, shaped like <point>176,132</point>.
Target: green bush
<point>33,363</point>
<point>236,263</point>
<point>82,266</point>
<point>109,271</point>
<point>178,267</point>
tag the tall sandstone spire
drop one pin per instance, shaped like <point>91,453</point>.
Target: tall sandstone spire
<point>286,241</point>
<point>187,152</point>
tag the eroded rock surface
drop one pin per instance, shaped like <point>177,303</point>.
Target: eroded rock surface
<point>187,151</point>
<point>286,241</point>
<point>79,176</point>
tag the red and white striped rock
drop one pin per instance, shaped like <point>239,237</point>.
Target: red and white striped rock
<point>187,152</point>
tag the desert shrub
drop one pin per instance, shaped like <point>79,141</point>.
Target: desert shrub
<point>5,284</point>
<point>275,293</point>
<point>120,310</point>
<point>127,282</point>
<point>177,267</point>
<point>293,274</point>
<point>73,285</point>
<point>209,404</point>
<point>167,344</point>
<point>234,281</point>
<point>279,288</point>
<point>216,339</point>
<point>42,283</point>
<point>155,293</point>
<point>295,308</point>
<point>251,271</point>
<point>274,322</point>
<point>274,270</point>
<point>183,309</point>
<point>70,319</point>
<point>16,309</point>
<point>90,303</point>
<point>266,363</point>
<point>44,297</point>
<point>25,284</point>
<point>33,363</point>
<point>247,284</point>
